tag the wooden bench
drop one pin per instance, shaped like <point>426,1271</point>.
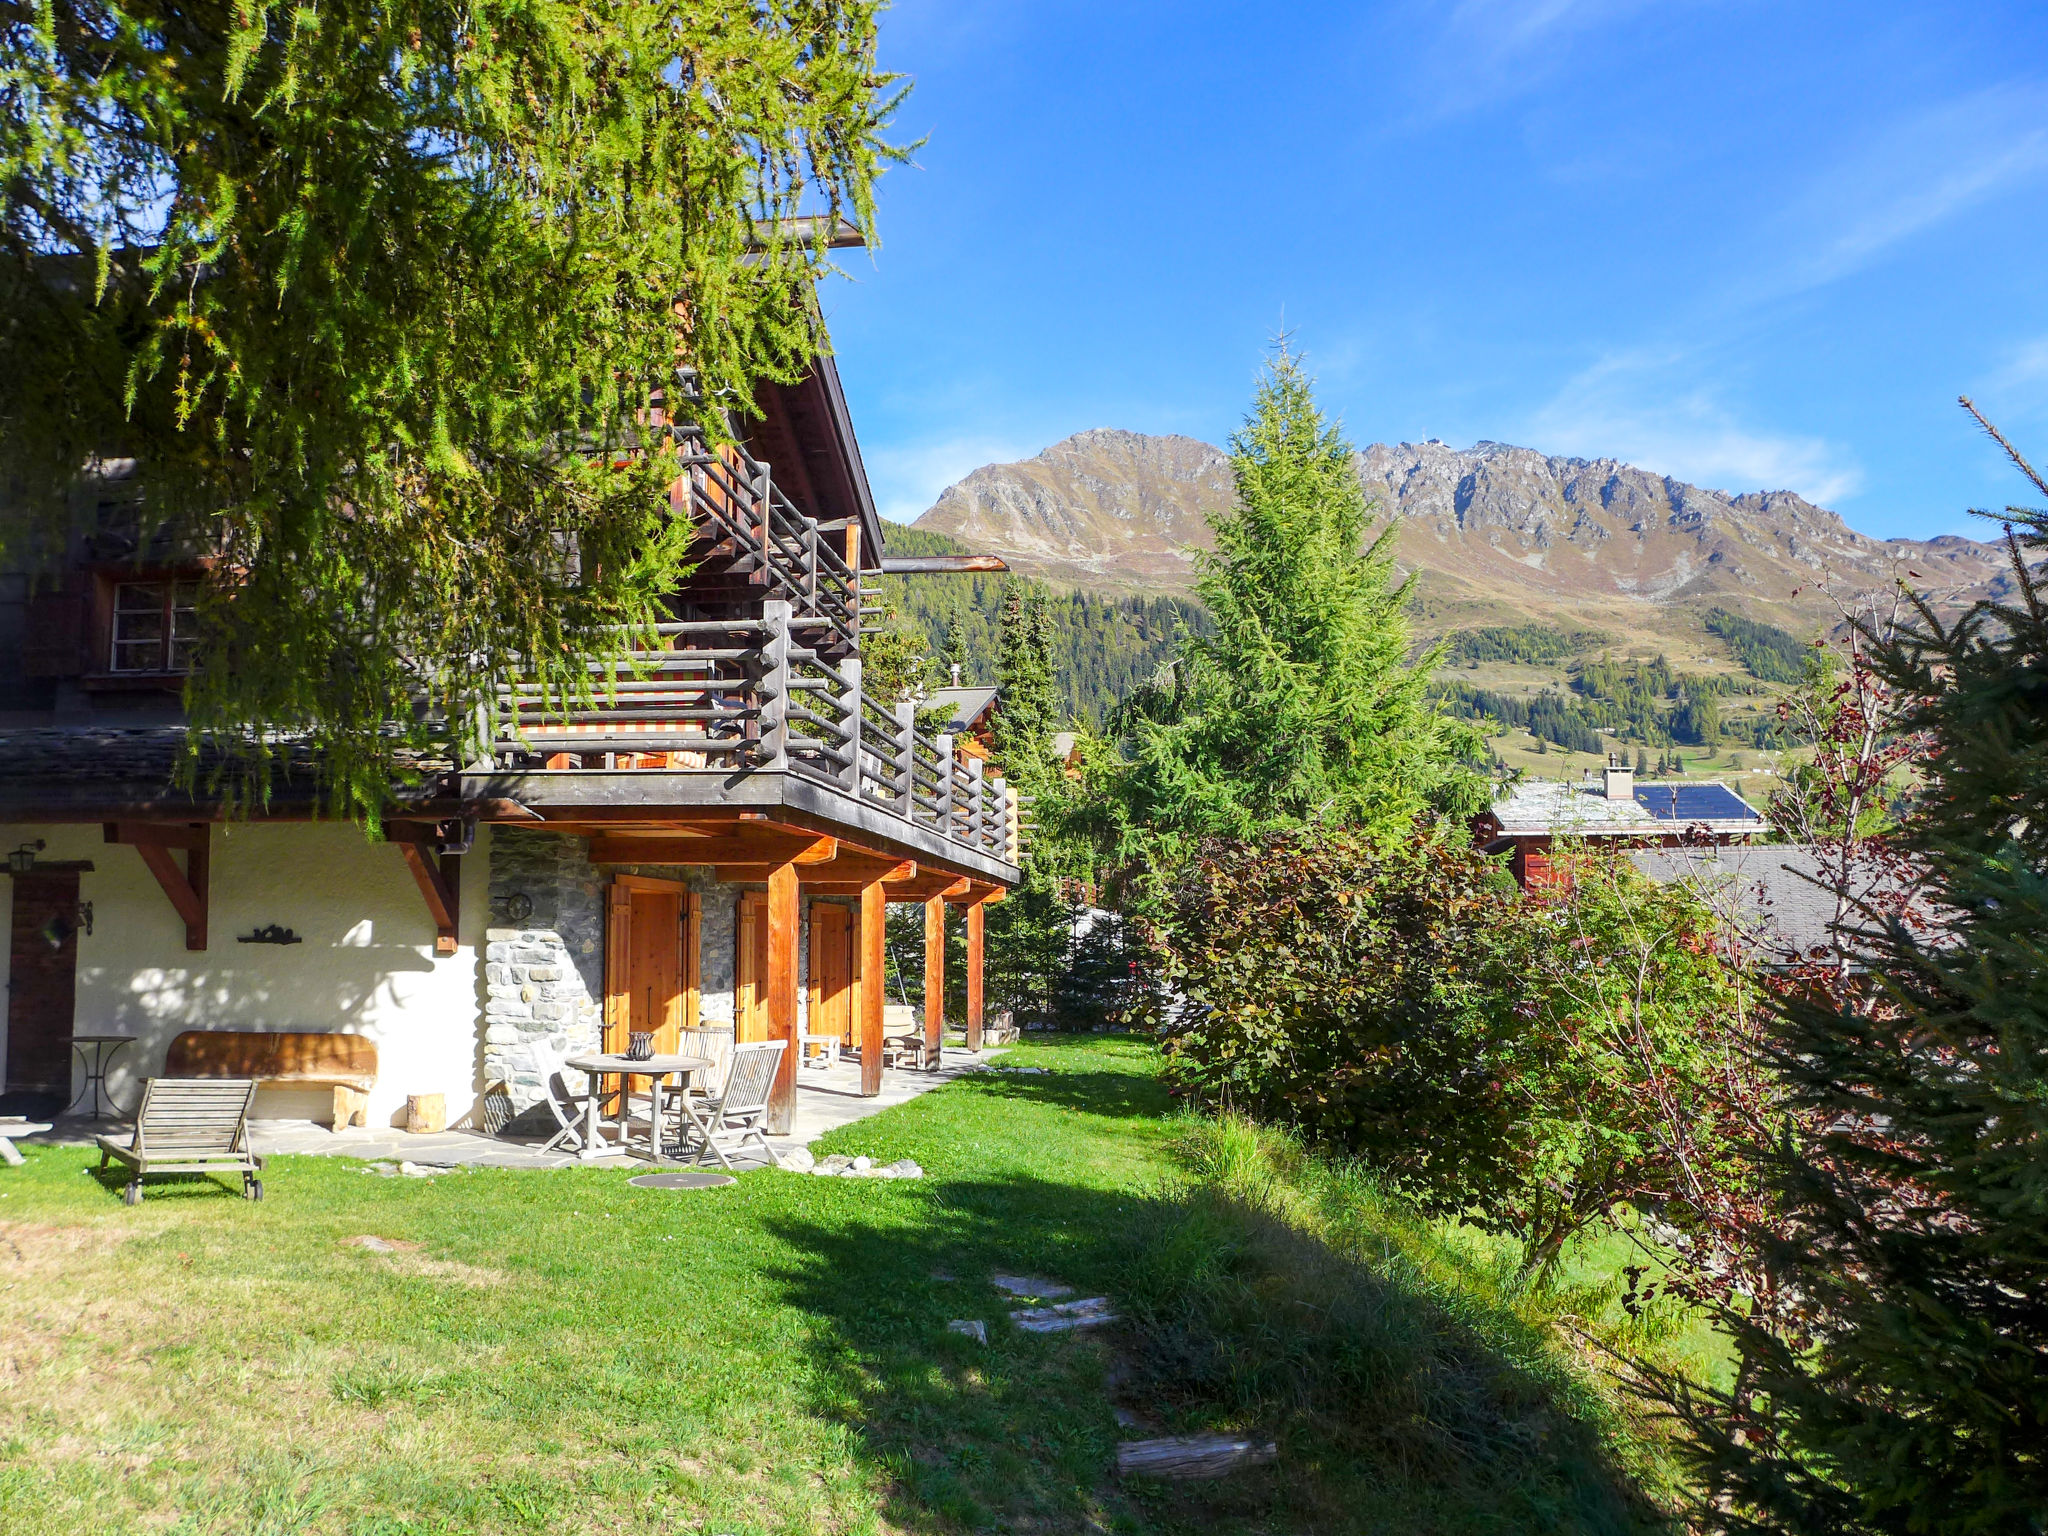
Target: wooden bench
<point>347,1064</point>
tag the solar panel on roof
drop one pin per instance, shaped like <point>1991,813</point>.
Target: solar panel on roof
<point>1694,802</point>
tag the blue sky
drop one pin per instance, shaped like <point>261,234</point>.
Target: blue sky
<point>1754,245</point>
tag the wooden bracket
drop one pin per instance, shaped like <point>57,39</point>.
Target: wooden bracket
<point>187,887</point>
<point>439,876</point>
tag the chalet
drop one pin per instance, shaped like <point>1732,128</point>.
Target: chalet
<point>719,845</point>
<point>1613,812</point>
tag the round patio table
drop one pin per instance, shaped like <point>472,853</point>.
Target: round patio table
<point>657,1069</point>
<point>96,1053</point>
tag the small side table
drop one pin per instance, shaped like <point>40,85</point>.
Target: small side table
<point>96,1054</point>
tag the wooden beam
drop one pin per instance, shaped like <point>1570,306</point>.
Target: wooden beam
<point>439,877</point>
<point>189,836</point>
<point>188,887</point>
<point>929,883</point>
<point>934,978</point>
<point>783,923</point>
<point>874,915</point>
<point>769,850</point>
<point>842,877</point>
<point>975,944</point>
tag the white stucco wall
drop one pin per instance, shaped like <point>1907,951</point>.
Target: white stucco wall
<point>367,965</point>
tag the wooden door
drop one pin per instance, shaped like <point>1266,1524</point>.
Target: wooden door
<point>831,971</point>
<point>750,968</point>
<point>645,970</point>
<point>655,962</point>
<point>42,983</point>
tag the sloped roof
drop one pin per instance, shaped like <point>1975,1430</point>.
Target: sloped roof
<point>1778,895</point>
<point>1545,808</point>
<point>969,706</point>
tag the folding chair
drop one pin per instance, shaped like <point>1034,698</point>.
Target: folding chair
<point>738,1118</point>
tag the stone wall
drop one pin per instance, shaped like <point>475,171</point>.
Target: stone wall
<point>543,959</point>
<point>544,955</point>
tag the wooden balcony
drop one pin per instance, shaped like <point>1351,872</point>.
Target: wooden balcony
<point>760,715</point>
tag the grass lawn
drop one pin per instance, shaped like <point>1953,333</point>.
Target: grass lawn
<point>562,1352</point>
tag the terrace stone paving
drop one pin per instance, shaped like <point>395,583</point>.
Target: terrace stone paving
<point>825,1100</point>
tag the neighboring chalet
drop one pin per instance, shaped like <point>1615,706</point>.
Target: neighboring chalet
<point>1612,811</point>
<point>718,845</point>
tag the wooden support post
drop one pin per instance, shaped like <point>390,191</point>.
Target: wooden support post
<point>874,914</point>
<point>934,979</point>
<point>975,926</point>
<point>187,887</point>
<point>783,922</point>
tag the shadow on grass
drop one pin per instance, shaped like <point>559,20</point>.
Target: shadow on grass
<point>1392,1416</point>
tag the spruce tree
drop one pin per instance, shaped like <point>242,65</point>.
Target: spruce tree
<point>1904,1385</point>
<point>1304,701</point>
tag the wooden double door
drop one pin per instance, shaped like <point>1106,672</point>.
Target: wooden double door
<point>833,980</point>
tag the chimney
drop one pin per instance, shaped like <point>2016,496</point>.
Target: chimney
<point>956,674</point>
<point>1620,780</point>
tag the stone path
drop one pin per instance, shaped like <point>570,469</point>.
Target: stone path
<point>825,1100</point>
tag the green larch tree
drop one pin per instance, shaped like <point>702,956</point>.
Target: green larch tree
<point>385,301</point>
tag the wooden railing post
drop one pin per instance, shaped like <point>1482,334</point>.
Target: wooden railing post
<point>944,809</point>
<point>850,670</point>
<point>999,811</point>
<point>976,794</point>
<point>906,755</point>
<point>774,687</point>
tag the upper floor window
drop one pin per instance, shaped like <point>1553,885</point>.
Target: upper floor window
<point>156,625</point>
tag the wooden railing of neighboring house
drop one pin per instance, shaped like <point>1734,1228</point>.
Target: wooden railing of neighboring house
<point>727,695</point>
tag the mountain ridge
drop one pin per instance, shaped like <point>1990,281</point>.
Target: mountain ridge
<point>1493,533</point>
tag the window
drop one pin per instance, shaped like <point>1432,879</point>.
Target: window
<point>156,624</point>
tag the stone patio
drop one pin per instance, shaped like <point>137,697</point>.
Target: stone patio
<point>825,1100</point>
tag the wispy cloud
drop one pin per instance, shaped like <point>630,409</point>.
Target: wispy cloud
<point>1639,408</point>
<point>1922,171</point>
<point>908,477</point>
<point>1477,53</point>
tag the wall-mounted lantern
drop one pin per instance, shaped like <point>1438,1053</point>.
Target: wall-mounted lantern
<point>22,860</point>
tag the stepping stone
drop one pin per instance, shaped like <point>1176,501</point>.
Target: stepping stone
<point>1189,1457</point>
<point>971,1327</point>
<point>1030,1287</point>
<point>381,1244</point>
<point>1091,1313</point>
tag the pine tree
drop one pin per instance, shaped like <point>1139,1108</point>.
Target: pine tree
<point>1303,703</point>
<point>1906,1388</point>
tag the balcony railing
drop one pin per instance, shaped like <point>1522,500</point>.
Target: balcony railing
<point>728,695</point>
<point>751,534</point>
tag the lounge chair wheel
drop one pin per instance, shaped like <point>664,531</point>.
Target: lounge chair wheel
<point>133,1193</point>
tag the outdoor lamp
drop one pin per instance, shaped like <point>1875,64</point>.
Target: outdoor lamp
<point>23,859</point>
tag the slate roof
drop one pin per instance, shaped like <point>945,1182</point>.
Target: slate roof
<point>44,768</point>
<point>969,705</point>
<point>1546,808</point>
<point>1772,890</point>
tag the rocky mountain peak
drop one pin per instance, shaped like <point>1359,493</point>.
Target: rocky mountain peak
<point>1490,528</point>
